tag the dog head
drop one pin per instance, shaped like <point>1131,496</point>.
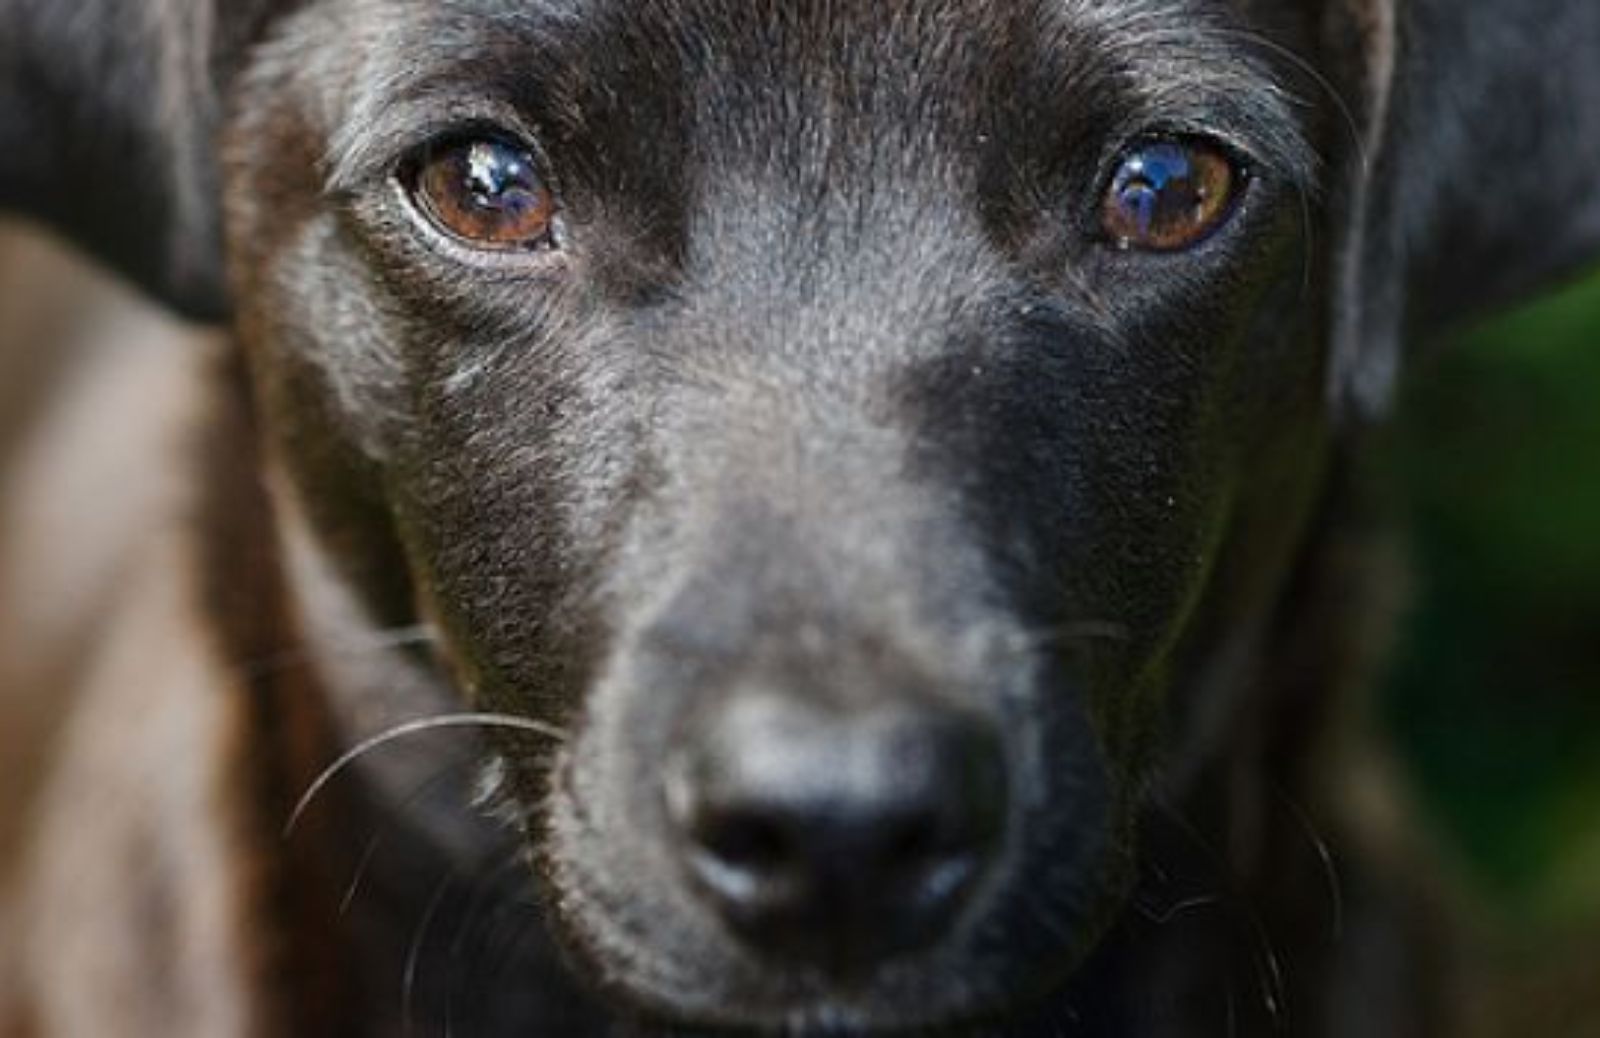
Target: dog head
<point>832,418</point>
<point>855,425</point>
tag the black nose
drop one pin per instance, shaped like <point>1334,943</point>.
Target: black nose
<point>838,838</point>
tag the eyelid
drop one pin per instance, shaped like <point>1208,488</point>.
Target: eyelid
<point>1246,160</point>
<point>367,151</point>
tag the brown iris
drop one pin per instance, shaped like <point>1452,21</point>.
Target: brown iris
<point>485,193</point>
<point>1169,195</point>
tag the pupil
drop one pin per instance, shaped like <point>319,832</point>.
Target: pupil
<point>1140,200</point>
<point>485,192</point>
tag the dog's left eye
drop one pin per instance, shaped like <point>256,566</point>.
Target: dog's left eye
<point>1169,195</point>
<point>486,193</point>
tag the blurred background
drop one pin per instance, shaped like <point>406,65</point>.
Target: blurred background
<point>1493,699</point>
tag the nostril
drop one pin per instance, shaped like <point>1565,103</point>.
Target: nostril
<point>839,838</point>
<point>931,858</point>
<point>918,846</point>
<point>753,867</point>
<point>744,840</point>
<point>916,843</point>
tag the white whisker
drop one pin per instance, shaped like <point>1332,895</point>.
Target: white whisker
<point>1346,112</point>
<point>379,641</point>
<point>508,722</point>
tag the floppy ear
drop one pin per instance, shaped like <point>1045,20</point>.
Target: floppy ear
<point>108,115</point>
<point>1475,179</point>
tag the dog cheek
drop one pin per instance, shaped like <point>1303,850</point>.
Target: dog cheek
<point>339,339</point>
<point>510,488</point>
<point>323,377</point>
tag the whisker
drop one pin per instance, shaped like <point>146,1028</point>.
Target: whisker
<point>486,886</point>
<point>1308,231</point>
<point>483,888</point>
<point>1324,853</point>
<point>408,984</point>
<point>379,641</point>
<point>382,831</point>
<point>509,722</point>
<point>1273,988</point>
<point>1163,916</point>
<point>1068,633</point>
<point>1346,112</point>
<point>513,924</point>
<point>1269,966</point>
<point>1094,630</point>
<point>360,873</point>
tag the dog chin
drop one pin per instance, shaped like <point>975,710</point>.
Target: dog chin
<point>818,1018</point>
<point>688,977</point>
<point>694,980</point>
<point>814,1006</point>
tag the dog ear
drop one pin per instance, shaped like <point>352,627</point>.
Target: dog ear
<point>108,114</point>
<point>1470,177</point>
<point>1360,46</point>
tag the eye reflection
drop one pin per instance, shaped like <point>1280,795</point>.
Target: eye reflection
<point>485,193</point>
<point>1167,196</point>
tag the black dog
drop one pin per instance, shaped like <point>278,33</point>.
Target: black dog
<point>857,461</point>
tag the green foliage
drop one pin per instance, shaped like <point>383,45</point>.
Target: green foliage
<point>1496,694</point>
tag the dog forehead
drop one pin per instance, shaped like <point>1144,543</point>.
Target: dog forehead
<point>756,70</point>
<point>927,40</point>
<point>942,17</point>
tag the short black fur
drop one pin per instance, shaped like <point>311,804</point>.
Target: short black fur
<point>835,395</point>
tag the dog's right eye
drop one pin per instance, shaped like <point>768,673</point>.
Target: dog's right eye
<point>1167,196</point>
<point>485,193</point>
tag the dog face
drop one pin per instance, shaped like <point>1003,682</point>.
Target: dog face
<point>835,416</point>
<point>873,432</point>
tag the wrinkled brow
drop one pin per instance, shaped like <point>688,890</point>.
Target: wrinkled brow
<point>1180,66</point>
<point>437,68</point>
<point>1190,66</point>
